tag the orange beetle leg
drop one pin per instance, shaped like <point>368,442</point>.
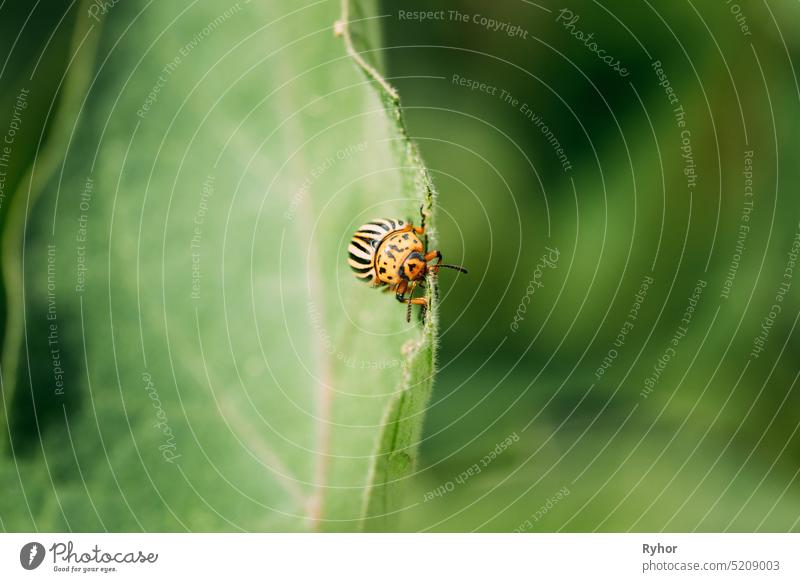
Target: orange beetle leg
<point>410,300</point>
<point>433,255</point>
<point>400,290</point>
<point>421,229</point>
<point>417,301</point>
<point>410,227</point>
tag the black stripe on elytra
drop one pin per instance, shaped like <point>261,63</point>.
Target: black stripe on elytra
<point>369,233</point>
<point>360,245</point>
<point>372,230</point>
<point>379,228</point>
<point>373,242</point>
<point>366,269</point>
<point>359,260</point>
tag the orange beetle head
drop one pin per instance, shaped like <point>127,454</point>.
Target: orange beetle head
<point>415,267</point>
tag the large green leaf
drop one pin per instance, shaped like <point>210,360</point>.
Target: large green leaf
<point>188,348</point>
<point>396,455</point>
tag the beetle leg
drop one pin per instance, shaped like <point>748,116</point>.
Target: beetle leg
<point>400,290</point>
<point>420,230</point>
<point>433,255</point>
<point>415,301</point>
<point>410,301</point>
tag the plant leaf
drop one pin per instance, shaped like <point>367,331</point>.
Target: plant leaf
<point>396,456</point>
<point>191,351</point>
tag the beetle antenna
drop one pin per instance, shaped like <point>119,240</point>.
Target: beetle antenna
<point>455,267</point>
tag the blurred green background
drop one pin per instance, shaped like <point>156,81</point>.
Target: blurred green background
<point>557,407</point>
<point>714,445</point>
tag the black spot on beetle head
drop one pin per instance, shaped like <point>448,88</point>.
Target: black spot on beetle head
<point>415,267</point>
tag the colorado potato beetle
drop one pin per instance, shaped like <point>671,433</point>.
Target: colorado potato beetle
<point>388,252</point>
